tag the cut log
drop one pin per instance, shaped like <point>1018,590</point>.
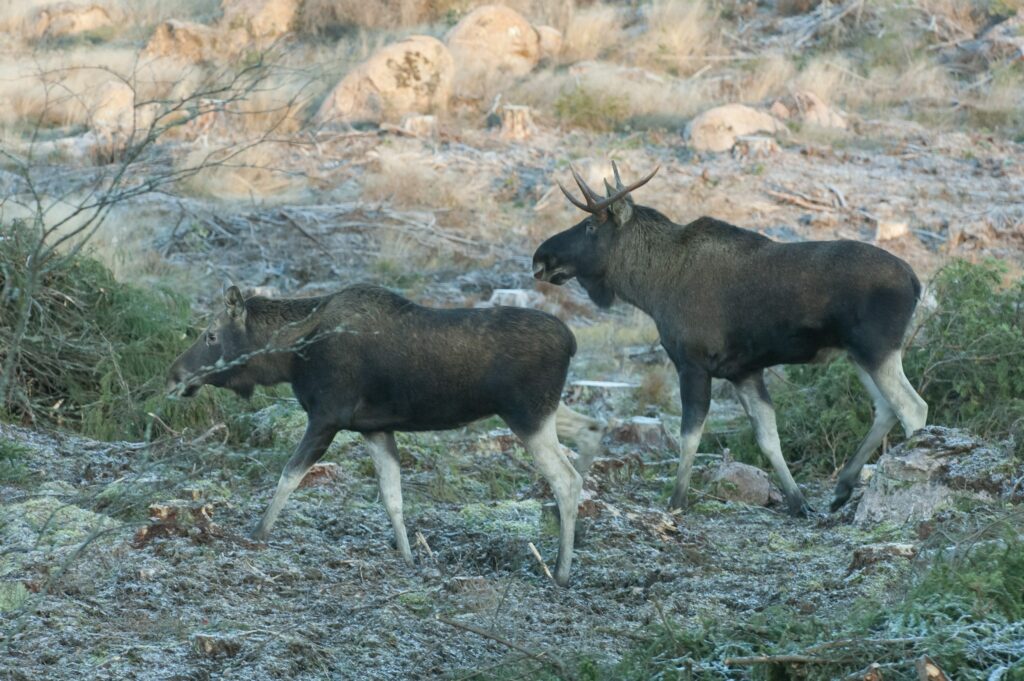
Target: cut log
<point>516,122</point>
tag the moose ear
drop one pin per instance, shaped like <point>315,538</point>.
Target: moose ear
<point>622,210</point>
<point>235,303</point>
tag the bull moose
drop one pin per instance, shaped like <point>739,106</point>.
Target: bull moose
<point>729,302</point>
<point>368,360</point>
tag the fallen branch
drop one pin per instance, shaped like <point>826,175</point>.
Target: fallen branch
<point>542,656</point>
<point>776,659</point>
<point>536,554</point>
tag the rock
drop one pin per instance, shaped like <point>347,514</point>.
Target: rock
<point>814,111</point>
<point>870,554</point>
<point>755,146</point>
<point>516,122</point>
<point>513,297</point>
<point>261,19</point>
<point>932,471</point>
<point>419,125</point>
<point>216,645</point>
<point>410,76</point>
<point>1004,41</point>
<point>647,432</point>
<point>717,129</point>
<point>495,39</point>
<point>550,42</point>
<point>886,230</point>
<point>321,473</point>
<point>186,41</point>
<point>735,481</point>
<point>68,18</point>
<point>780,111</point>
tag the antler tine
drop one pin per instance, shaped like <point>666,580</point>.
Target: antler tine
<point>618,180</point>
<point>576,202</point>
<point>604,203</point>
<point>588,193</point>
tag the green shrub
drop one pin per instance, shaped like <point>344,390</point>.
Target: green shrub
<point>96,351</point>
<point>965,358</point>
<point>593,109</point>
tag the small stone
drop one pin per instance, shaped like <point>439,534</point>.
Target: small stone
<point>887,230</point>
<point>735,481</point>
<point>419,125</point>
<point>755,146</point>
<point>877,553</point>
<point>780,110</point>
<point>646,431</point>
<point>216,645</point>
<point>321,473</point>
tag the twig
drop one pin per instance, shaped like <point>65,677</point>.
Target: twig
<point>536,554</point>
<point>422,541</point>
<point>776,659</point>
<point>543,656</point>
<point>798,200</point>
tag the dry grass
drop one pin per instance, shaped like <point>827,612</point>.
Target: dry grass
<point>680,35</point>
<point>260,173</point>
<point>592,33</point>
<point>408,176</point>
<point>616,95</point>
<point>769,78</point>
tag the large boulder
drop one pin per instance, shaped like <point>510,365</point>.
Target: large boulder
<point>935,470</point>
<point>550,41</point>
<point>411,76</point>
<point>192,42</point>
<point>67,19</point>
<point>261,19</point>
<point>496,39</point>
<point>717,129</point>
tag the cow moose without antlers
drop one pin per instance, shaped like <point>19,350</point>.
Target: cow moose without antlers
<point>367,360</point>
<point>729,302</point>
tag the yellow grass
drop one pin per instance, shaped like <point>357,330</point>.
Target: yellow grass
<point>769,78</point>
<point>680,33</point>
<point>592,32</point>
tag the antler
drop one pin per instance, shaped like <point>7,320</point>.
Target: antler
<point>596,205</point>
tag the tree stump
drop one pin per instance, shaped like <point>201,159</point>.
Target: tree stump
<point>516,122</point>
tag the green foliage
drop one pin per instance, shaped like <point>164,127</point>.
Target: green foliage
<point>593,109</point>
<point>965,358</point>
<point>95,353</point>
<point>12,465</point>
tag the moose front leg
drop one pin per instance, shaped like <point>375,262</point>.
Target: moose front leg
<point>314,443</point>
<point>695,391</point>
<point>384,452</point>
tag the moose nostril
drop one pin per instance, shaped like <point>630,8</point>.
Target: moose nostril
<point>538,269</point>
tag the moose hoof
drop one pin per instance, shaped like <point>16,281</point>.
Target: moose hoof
<point>259,534</point>
<point>840,496</point>
<point>801,509</point>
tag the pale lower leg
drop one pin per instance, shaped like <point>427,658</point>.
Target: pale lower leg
<point>584,431</point>
<point>384,453</point>
<point>566,484</point>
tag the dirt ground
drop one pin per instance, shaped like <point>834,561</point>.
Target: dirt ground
<point>327,596</point>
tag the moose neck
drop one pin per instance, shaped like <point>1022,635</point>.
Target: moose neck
<point>650,263</point>
<point>281,328</point>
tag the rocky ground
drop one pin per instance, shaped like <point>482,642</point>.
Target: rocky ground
<point>188,596</point>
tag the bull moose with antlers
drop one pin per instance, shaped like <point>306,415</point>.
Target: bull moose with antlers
<point>729,302</point>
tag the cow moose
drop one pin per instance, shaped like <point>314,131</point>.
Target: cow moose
<point>729,302</point>
<point>368,360</point>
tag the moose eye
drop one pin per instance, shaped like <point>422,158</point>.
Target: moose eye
<point>211,338</point>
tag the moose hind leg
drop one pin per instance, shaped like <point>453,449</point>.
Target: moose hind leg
<point>756,402</point>
<point>885,419</point>
<point>565,482</point>
<point>384,452</point>
<point>313,445</point>
<point>911,410</point>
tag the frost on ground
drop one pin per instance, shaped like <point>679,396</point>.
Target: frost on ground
<point>87,592</point>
